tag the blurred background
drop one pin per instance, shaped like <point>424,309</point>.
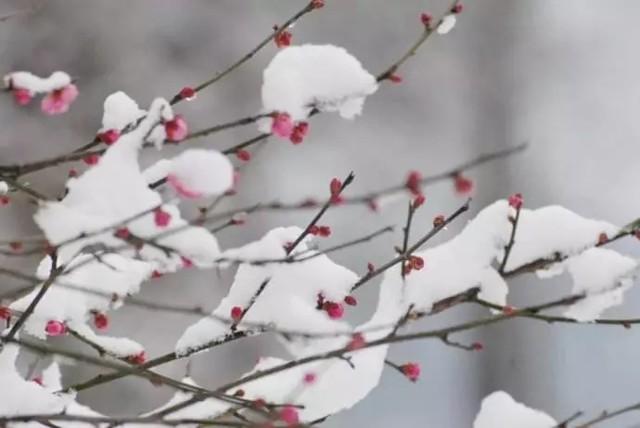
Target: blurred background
<point>562,75</point>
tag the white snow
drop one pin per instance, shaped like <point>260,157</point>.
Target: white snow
<point>447,24</point>
<point>603,275</point>
<point>4,188</point>
<point>66,301</point>
<point>553,229</point>
<point>459,264</point>
<point>206,172</point>
<point>36,84</point>
<point>119,347</point>
<point>499,409</point>
<point>288,301</point>
<point>326,77</point>
<point>120,111</point>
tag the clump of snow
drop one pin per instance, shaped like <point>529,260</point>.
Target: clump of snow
<point>119,347</point>
<point>19,396</point>
<point>499,409</point>
<point>447,24</point>
<point>67,301</point>
<point>459,264</point>
<point>603,275</point>
<point>326,77</point>
<point>157,171</point>
<point>115,191</point>
<point>35,84</point>
<point>551,230</point>
<point>120,111</point>
<point>199,172</point>
<point>4,188</point>
<point>288,301</point>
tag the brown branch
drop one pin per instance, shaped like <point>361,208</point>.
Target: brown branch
<point>308,8</point>
<point>607,415</point>
<point>434,231</point>
<point>512,240</point>
<point>56,271</point>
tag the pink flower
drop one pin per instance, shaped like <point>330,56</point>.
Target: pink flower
<point>55,328</point>
<point>59,100</point>
<point>282,125</point>
<point>161,218</point>
<point>181,188</point>
<point>289,415</point>
<point>516,201</point>
<point>411,371</point>
<point>22,96</point>
<point>176,129</point>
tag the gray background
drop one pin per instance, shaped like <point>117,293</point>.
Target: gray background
<point>562,75</point>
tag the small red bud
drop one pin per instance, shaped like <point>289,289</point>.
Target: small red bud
<point>516,201</point>
<point>236,313</point>
<point>370,267</point>
<point>5,313</point>
<point>413,182</point>
<point>100,320</point>
<point>243,155</point>
<point>350,300</point>
<point>426,19</point>
<point>508,310</point>
<point>357,342</point>
<point>438,221</point>
<point>91,159</point>
<point>317,4</point>
<point>418,201</point>
<point>4,200</point>
<point>395,78</point>
<point>187,93</point>
<point>416,262</point>
<point>310,378</point>
<point>137,359</point>
<point>411,371</point>
<point>603,238</point>
<point>122,233</point>
<point>15,246</point>
<point>283,39</point>
<point>477,346</point>
<point>335,186</point>
<point>161,217</point>
<point>73,172</point>
<point>109,136</point>
<point>324,231</point>
<point>463,185</point>
<point>457,8</point>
